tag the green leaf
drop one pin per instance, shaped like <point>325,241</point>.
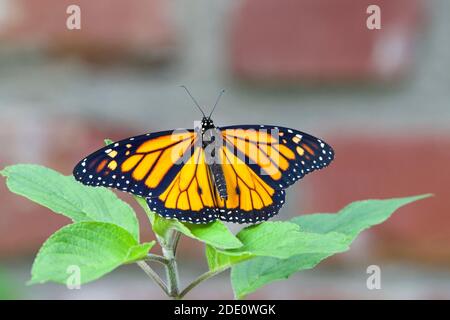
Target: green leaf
<point>276,239</point>
<point>215,233</point>
<point>64,195</point>
<point>283,239</point>
<point>355,217</point>
<point>139,251</point>
<point>93,248</point>
<point>218,260</point>
<point>8,286</point>
<point>350,221</point>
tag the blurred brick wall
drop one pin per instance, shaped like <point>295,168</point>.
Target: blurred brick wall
<point>111,30</point>
<point>323,40</point>
<point>386,166</point>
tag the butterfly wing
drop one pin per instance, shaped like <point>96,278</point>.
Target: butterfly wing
<point>192,196</point>
<point>250,199</point>
<point>258,163</point>
<point>280,156</point>
<point>143,165</point>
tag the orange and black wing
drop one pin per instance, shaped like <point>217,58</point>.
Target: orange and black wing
<point>193,197</point>
<point>143,165</point>
<point>258,163</point>
<point>279,156</point>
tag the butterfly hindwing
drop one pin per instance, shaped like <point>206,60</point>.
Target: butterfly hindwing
<point>143,165</point>
<point>250,199</point>
<point>192,196</point>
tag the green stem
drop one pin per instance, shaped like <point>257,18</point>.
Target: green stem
<point>153,275</point>
<point>199,280</point>
<point>169,247</point>
<point>156,258</point>
<point>171,266</point>
<point>176,239</point>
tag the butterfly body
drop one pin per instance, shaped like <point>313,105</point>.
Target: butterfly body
<point>236,173</point>
<point>209,133</point>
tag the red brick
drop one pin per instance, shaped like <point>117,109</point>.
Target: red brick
<point>391,166</point>
<point>323,40</point>
<point>110,29</point>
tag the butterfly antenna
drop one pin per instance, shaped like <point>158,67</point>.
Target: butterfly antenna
<point>217,101</point>
<point>193,99</point>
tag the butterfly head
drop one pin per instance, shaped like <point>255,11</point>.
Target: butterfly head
<point>207,124</point>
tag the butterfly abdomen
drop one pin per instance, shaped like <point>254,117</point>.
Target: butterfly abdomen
<point>219,179</point>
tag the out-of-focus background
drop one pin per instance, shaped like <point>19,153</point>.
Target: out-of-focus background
<point>381,98</point>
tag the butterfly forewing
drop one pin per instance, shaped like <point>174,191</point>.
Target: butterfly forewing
<point>280,156</point>
<point>143,165</point>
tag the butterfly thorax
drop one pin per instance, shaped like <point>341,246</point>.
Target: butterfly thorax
<point>209,132</point>
<point>210,143</point>
<point>206,124</point>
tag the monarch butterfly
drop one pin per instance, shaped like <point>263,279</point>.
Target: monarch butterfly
<point>235,173</point>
